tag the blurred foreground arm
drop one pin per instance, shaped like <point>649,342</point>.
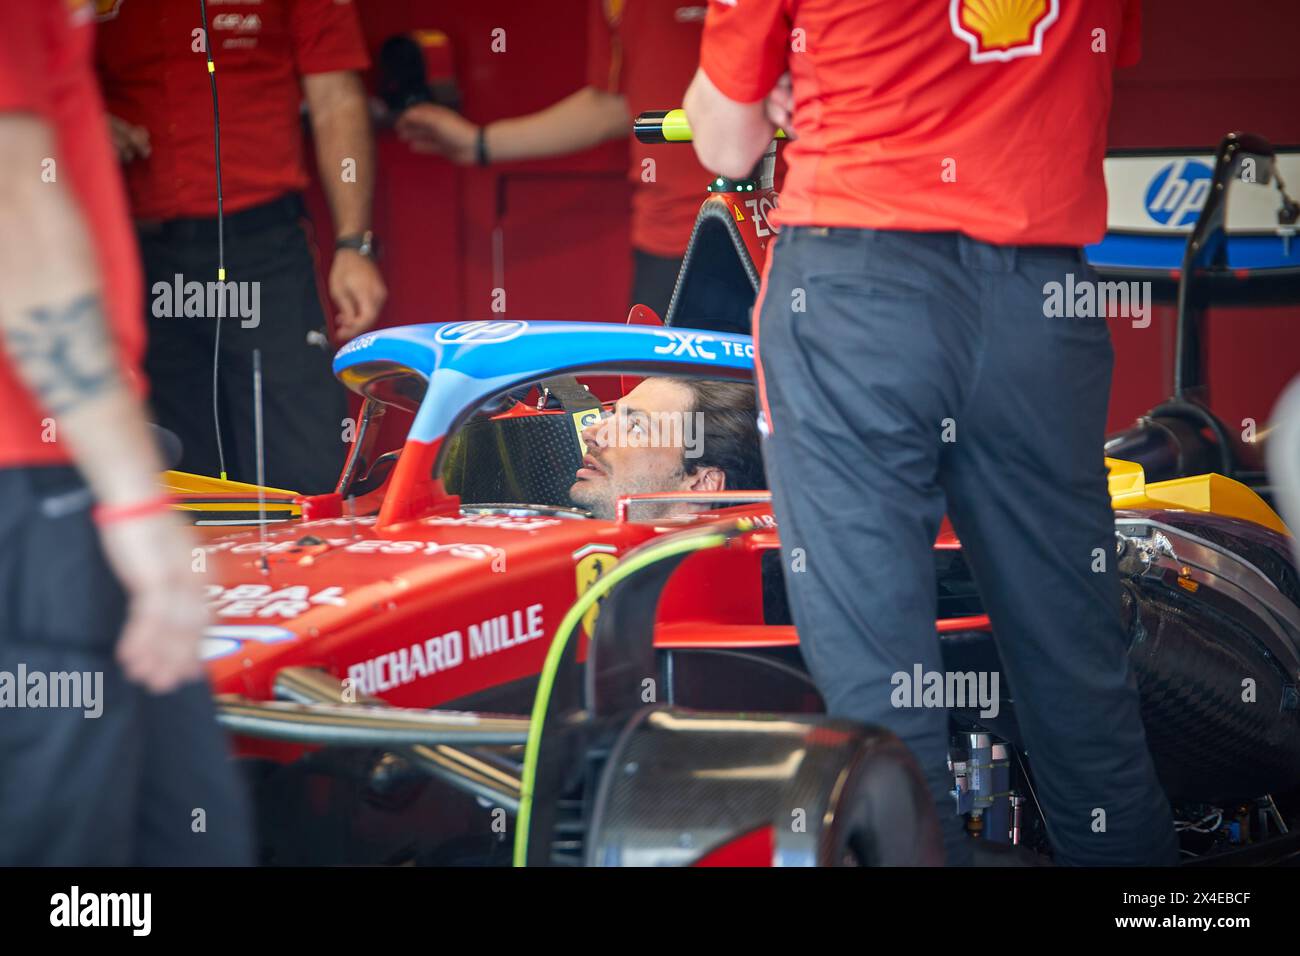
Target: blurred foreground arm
<point>55,335</point>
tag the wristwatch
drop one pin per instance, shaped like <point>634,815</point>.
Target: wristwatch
<point>364,244</point>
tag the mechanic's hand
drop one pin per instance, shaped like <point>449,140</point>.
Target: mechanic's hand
<point>428,128</point>
<point>779,106</point>
<point>151,556</point>
<point>129,140</point>
<point>358,291</point>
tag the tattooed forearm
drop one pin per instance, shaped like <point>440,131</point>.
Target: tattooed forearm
<point>64,353</point>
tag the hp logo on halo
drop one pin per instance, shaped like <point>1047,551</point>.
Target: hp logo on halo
<point>1176,194</point>
<point>479,332</point>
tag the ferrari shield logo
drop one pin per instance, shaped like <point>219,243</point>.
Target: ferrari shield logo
<point>593,562</point>
<point>1001,30</point>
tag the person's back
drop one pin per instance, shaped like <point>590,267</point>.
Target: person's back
<point>975,117</point>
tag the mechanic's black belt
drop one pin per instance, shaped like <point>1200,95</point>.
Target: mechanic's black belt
<point>277,212</point>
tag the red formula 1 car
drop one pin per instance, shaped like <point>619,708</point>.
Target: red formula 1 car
<point>436,574</point>
<point>417,667</point>
<point>433,585</point>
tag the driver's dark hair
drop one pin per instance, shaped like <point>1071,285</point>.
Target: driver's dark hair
<point>730,440</point>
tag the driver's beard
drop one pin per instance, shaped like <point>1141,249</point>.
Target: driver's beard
<point>586,495</point>
<point>601,501</point>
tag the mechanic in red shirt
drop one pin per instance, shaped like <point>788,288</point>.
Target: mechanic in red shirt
<point>99,597</point>
<point>269,56</point>
<point>947,168</point>
<point>641,56</point>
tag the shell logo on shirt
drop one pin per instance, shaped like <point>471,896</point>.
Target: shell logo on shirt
<point>1001,30</point>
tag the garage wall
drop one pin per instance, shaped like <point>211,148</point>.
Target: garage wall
<point>562,223</point>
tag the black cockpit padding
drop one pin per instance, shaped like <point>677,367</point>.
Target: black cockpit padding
<point>531,459</point>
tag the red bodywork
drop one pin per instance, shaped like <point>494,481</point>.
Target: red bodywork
<point>479,594</point>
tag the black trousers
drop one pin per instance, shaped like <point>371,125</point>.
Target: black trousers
<point>146,782</point>
<point>303,407</point>
<point>907,374</point>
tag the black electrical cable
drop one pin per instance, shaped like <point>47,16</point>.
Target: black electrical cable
<point>221,235</point>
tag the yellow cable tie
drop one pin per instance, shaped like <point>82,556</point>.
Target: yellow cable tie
<point>212,67</point>
<point>221,275</point>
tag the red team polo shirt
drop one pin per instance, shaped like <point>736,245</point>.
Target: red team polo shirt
<point>154,77</point>
<point>986,117</point>
<point>45,70</point>
<point>647,50</point>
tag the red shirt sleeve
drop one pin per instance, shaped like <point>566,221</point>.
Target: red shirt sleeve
<point>326,36</point>
<point>603,52</point>
<point>744,47</point>
<point>1130,38</point>
<point>24,72</point>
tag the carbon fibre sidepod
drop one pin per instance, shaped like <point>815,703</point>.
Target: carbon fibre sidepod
<point>623,781</point>
<point>1211,605</point>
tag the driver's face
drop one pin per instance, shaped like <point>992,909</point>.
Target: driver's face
<point>619,458</point>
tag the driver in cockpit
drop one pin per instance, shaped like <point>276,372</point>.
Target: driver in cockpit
<point>671,434</point>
